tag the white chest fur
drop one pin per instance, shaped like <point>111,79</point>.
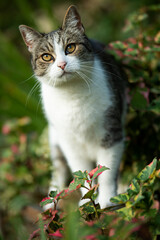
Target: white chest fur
<point>77,110</point>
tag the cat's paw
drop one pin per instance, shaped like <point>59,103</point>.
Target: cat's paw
<point>105,202</point>
<point>83,201</point>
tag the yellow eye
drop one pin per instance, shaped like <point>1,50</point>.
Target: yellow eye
<point>47,57</point>
<point>70,48</point>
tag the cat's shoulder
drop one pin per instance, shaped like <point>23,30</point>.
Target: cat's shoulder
<point>108,61</point>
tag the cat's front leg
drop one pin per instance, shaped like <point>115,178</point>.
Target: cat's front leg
<point>78,161</point>
<point>109,157</point>
<point>60,170</point>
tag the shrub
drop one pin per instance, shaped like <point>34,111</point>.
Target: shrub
<point>134,215</point>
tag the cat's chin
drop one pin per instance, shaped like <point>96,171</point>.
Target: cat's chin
<point>57,81</point>
<point>64,79</point>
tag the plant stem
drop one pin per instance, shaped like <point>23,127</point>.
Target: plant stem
<point>96,213</point>
<point>85,187</point>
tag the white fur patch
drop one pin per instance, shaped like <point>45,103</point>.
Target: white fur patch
<point>77,111</point>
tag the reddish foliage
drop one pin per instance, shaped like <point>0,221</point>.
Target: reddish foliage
<point>91,237</point>
<point>6,129</point>
<point>92,172</point>
<point>46,198</point>
<point>56,234</point>
<point>15,149</point>
<point>23,138</point>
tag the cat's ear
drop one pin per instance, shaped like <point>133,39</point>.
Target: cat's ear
<point>72,19</point>
<point>29,35</point>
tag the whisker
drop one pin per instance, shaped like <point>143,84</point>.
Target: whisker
<point>105,63</point>
<point>33,89</point>
<point>27,79</point>
<point>105,71</point>
<point>90,79</point>
<point>82,76</point>
<point>39,102</point>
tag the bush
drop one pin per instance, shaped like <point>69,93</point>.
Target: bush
<point>134,215</point>
<point>139,55</point>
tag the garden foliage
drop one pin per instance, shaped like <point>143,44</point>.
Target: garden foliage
<point>139,54</point>
<point>134,214</point>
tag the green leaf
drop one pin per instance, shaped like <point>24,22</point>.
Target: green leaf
<point>158,173</point>
<point>138,199</point>
<point>126,213</point>
<point>94,196</point>
<point>88,208</point>
<point>52,194</point>
<point>79,174</point>
<point>47,201</point>
<point>132,52</point>
<point>119,45</point>
<point>138,101</point>
<point>155,106</point>
<point>134,187</point>
<point>121,198</point>
<point>146,173</point>
<point>75,183</point>
<point>89,194</point>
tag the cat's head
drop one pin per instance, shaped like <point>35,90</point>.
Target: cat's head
<point>61,55</point>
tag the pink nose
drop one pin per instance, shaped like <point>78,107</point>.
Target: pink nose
<point>61,65</point>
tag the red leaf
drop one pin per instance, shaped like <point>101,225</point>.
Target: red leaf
<point>146,92</point>
<point>15,149</point>
<point>56,234</point>
<point>91,237</point>
<point>23,138</point>
<point>34,234</point>
<point>111,232</point>
<point>6,129</point>
<point>130,50</point>
<point>94,170</point>
<point>46,198</point>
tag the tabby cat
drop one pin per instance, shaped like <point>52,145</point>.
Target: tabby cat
<point>83,95</point>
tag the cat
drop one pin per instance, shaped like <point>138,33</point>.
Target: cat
<point>83,95</point>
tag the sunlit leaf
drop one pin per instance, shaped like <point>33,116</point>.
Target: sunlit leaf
<point>46,201</point>
<point>148,171</point>
<point>52,194</point>
<point>97,171</point>
<point>121,198</point>
<point>79,174</point>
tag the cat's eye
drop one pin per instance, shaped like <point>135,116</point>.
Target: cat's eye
<point>70,48</point>
<point>47,57</point>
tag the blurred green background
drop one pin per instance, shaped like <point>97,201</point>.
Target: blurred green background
<point>24,165</point>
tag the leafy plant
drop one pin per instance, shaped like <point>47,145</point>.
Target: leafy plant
<point>24,174</point>
<point>139,55</point>
<point>133,212</point>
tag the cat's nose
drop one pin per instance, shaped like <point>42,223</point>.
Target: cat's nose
<point>61,65</point>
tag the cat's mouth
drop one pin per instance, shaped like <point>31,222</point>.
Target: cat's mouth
<point>64,73</point>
